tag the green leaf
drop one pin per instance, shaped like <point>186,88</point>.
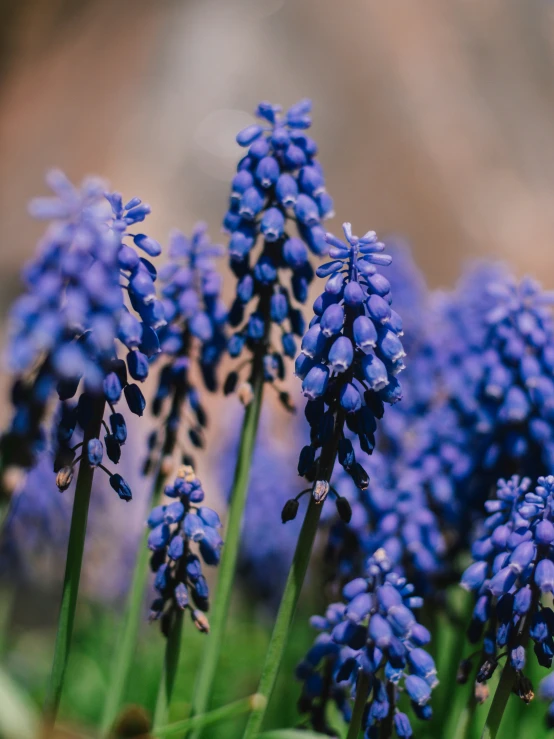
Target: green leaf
<point>18,717</point>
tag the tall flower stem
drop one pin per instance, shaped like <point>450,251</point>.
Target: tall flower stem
<point>169,672</point>
<point>227,566</point>
<point>72,575</point>
<point>507,679</point>
<point>362,692</point>
<point>293,587</point>
<point>498,706</point>
<point>126,643</point>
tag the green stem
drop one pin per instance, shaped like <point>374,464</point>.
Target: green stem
<point>218,618</point>
<point>169,671</point>
<point>362,691</point>
<point>293,587</point>
<point>237,708</point>
<point>466,720</point>
<point>126,644</point>
<point>72,575</point>
<point>498,706</point>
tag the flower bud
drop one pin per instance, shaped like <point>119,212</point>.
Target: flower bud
<point>64,478</point>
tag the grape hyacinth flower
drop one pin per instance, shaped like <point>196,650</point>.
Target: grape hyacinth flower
<point>278,181</point>
<point>370,649</point>
<point>195,315</point>
<point>498,354</point>
<point>67,329</point>
<point>174,528</point>
<point>350,355</point>
<point>512,577</point>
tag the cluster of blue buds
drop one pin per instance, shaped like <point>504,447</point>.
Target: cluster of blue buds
<point>278,180</point>
<point>179,581</point>
<point>375,634</point>
<point>513,571</point>
<point>351,352</point>
<point>499,371</point>
<point>195,315</point>
<point>89,294</point>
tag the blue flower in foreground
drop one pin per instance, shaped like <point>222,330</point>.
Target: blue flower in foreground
<point>373,632</point>
<point>174,528</point>
<point>278,182</point>
<point>89,295</point>
<point>351,352</point>
<point>195,314</point>
<point>512,577</point>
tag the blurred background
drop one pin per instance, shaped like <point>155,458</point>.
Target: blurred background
<point>435,121</point>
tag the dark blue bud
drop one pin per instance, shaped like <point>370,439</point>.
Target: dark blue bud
<point>375,372</point>
<point>267,172</point>
<point>278,307</point>
<point>378,309</point>
<point>380,631</point>
<point>306,460</point>
<point>303,365</point>
<point>251,203</point>
<point>193,527</point>
<point>306,210</point>
<point>138,365</point>
<point>423,665</point>
<point>402,725</point>
<point>121,487</point>
<point>346,453</point>
<point>517,658</point>
<point>201,588</point>
<point>235,344</point>
<point>353,294</point>
<point>156,516</point>
<point>174,512</point>
<point>181,595</point>
<point>289,344</point>
<point>95,452</point>
<point>249,134</point>
<point>474,576</point>
<point>286,190</point>
<point>256,327</point>
<point>147,244</point>
<point>176,548</point>
<point>350,398</point>
<point>315,382</point>
<point>365,333</point>
<point>118,427</point>
<point>390,347</point>
<point>314,342</point>
<point>418,689</point>
<point>265,271</point>
<point>241,182</point>
<point>332,320</point>
<point>544,575</point>
<point>294,157</point>
<point>112,387</point>
<point>135,399</point>
<point>272,224</point>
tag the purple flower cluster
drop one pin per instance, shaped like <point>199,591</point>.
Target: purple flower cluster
<point>89,294</point>
<point>512,573</point>
<point>351,352</point>
<point>174,527</point>
<point>279,180</point>
<point>375,634</point>
<point>196,315</point>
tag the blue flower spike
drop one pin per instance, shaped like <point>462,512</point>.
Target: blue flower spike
<point>373,632</point>
<point>176,530</point>
<point>279,185</point>
<point>87,320</point>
